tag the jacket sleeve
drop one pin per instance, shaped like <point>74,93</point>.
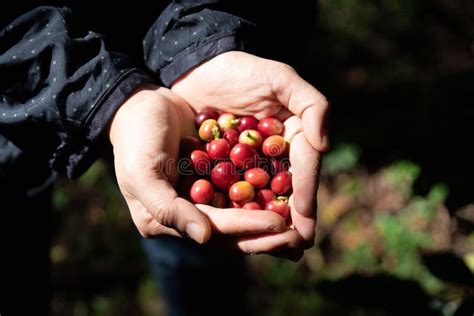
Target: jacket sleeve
<point>59,88</point>
<point>190,32</point>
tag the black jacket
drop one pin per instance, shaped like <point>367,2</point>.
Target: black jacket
<point>61,80</point>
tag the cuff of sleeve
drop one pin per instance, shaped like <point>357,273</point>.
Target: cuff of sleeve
<point>75,156</point>
<point>195,56</point>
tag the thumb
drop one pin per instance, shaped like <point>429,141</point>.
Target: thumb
<point>305,101</point>
<point>162,202</point>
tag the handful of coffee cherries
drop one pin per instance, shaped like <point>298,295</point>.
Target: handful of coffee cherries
<point>238,162</point>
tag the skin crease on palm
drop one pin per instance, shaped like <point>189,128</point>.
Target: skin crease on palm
<point>145,135</point>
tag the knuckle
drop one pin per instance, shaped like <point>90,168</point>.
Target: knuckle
<point>249,249</point>
<point>324,102</point>
<point>149,228</point>
<point>146,229</point>
<point>145,234</point>
<point>163,212</point>
<point>295,241</point>
<point>286,67</point>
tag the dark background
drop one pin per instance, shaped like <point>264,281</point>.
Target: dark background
<point>395,225</point>
<point>399,76</point>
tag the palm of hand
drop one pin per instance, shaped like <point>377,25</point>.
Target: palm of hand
<point>243,84</point>
<point>145,133</point>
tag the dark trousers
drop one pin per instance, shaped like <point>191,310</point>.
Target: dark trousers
<point>197,280</point>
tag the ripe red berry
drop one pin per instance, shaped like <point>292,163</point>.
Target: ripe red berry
<point>224,175</point>
<point>252,206</point>
<point>201,191</point>
<point>232,204</point>
<point>281,183</point>
<point>241,192</point>
<point>244,156</point>
<point>232,136</point>
<point>227,121</point>
<point>247,122</point>
<point>279,165</point>
<point>264,196</point>
<point>218,149</point>
<point>252,138</point>
<point>280,206</point>
<point>274,146</point>
<point>201,162</point>
<point>219,200</point>
<point>209,130</point>
<point>205,114</point>
<point>270,126</point>
<point>257,177</point>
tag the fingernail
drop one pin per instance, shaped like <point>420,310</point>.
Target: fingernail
<point>194,231</point>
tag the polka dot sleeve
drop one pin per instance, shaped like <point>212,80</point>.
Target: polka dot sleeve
<point>190,32</point>
<point>59,87</point>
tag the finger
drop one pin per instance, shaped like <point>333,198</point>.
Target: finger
<point>315,127</point>
<point>283,114</point>
<point>242,222</point>
<point>293,126</point>
<point>146,225</point>
<point>304,225</point>
<point>305,101</point>
<point>162,202</point>
<point>305,164</point>
<point>268,243</point>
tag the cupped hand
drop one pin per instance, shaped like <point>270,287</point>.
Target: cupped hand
<point>145,134</point>
<point>245,84</point>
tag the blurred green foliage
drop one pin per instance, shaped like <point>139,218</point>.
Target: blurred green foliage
<point>342,158</point>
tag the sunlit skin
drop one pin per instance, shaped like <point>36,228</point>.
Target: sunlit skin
<point>145,134</point>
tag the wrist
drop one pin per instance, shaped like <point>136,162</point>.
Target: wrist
<point>137,97</point>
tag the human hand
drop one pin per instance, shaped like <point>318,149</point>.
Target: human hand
<point>244,84</point>
<point>145,134</point>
